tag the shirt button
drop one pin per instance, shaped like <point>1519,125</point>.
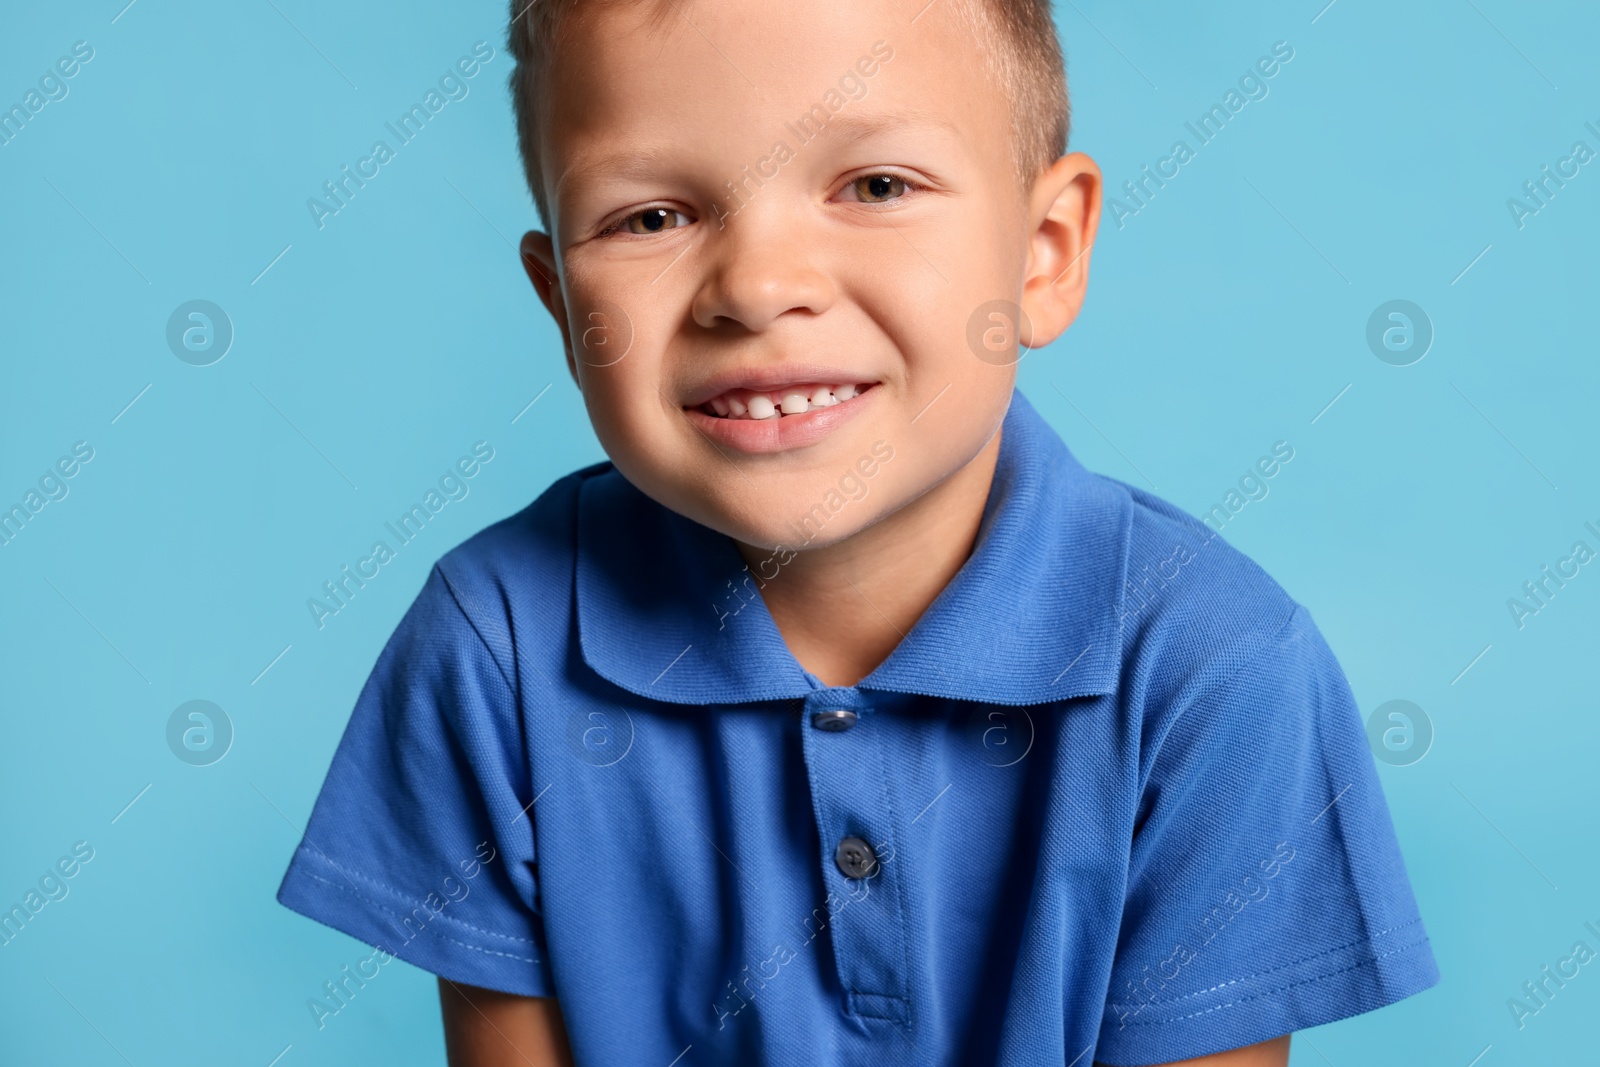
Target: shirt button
<point>834,720</point>
<point>855,858</point>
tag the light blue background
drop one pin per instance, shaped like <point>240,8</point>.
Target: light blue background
<point>1223,317</point>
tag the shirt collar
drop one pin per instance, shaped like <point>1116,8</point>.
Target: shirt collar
<point>1031,617</point>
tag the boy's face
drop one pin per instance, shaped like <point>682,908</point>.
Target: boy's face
<point>712,244</point>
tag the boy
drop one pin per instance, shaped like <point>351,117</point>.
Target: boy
<point>842,717</point>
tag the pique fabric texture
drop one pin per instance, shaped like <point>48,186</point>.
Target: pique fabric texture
<point>1114,790</point>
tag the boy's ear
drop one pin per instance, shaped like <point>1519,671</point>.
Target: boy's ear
<point>539,260</point>
<point>1064,213</point>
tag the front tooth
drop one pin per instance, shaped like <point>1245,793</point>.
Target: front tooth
<point>794,403</point>
<point>821,398</point>
<point>736,406</point>
<point>844,392</point>
<point>762,407</point>
<point>719,405</point>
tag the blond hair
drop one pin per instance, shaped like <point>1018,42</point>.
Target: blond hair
<point>1017,39</point>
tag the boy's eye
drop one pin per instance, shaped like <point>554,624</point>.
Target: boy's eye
<point>653,220</point>
<point>878,188</point>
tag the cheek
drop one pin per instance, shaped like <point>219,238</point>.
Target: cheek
<point>625,407</point>
<point>604,326</point>
<point>962,330</point>
<point>939,276</point>
<point>617,339</point>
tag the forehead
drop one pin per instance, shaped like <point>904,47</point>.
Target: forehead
<point>718,78</point>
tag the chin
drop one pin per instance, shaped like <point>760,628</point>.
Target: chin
<point>830,500</point>
<point>789,528</point>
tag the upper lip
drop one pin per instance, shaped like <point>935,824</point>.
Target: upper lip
<point>773,377</point>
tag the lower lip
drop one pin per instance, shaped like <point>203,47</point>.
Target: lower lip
<point>783,432</point>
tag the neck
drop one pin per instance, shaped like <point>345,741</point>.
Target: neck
<point>844,607</point>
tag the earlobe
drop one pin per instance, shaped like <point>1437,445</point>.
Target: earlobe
<point>539,260</point>
<point>1065,215</point>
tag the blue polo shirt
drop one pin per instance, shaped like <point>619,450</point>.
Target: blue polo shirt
<point>1110,800</point>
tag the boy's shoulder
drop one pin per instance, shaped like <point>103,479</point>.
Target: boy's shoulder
<point>1203,621</point>
<point>539,534</point>
<point>520,568</point>
<point>1183,581</point>
<point>1154,603</point>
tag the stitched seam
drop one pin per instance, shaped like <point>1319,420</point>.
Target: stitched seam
<point>455,598</point>
<point>869,1014</point>
<point>401,898</point>
<point>1281,989</point>
<point>424,929</point>
<point>1271,970</point>
<point>902,900</point>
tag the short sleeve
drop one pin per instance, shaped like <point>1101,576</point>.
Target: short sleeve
<point>1266,893</point>
<point>421,841</point>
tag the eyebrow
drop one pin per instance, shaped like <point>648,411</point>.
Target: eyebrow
<point>848,127</point>
<point>842,128</point>
<point>635,163</point>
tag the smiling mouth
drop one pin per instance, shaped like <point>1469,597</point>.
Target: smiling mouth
<point>758,404</point>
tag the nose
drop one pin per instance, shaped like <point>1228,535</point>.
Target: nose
<point>762,269</point>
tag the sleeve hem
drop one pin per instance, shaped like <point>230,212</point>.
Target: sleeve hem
<point>1357,979</point>
<point>422,936</point>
